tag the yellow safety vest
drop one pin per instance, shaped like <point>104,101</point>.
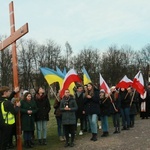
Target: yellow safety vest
<point>7,116</point>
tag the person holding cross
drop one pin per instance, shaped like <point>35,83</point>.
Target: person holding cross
<point>7,112</point>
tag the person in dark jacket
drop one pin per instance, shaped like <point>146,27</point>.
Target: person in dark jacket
<point>28,110</point>
<point>79,97</point>
<point>133,109</point>
<point>68,106</point>
<point>104,111</point>
<point>58,116</point>
<point>42,115</point>
<point>91,108</point>
<point>7,111</point>
<point>115,109</point>
<point>125,108</point>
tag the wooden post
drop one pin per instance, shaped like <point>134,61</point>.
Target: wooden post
<point>15,35</point>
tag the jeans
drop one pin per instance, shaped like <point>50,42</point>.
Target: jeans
<point>104,122</point>
<point>41,129</point>
<point>60,128</point>
<point>125,113</point>
<point>93,122</point>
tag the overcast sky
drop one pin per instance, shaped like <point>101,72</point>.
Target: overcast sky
<point>83,23</point>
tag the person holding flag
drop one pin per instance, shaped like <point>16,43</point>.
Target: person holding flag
<point>115,111</point>
<point>133,109</point>
<point>138,84</point>
<point>125,108</point>
<point>104,111</point>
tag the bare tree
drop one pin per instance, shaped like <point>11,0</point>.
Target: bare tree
<point>6,67</point>
<point>27,64</point>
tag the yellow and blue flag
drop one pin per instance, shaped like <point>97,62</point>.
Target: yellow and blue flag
<point>52,76</point>
<point>86,77</point>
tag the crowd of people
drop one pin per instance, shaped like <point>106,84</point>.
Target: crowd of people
<point>88,106</point>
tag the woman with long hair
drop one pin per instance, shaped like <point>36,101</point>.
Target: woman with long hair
<point>28,111</point>
<point>42,115</point>
<point>92,109</point>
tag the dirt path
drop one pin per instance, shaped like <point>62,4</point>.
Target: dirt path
<point>137,138</point>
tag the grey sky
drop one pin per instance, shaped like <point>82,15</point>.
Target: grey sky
<point>83,23</point>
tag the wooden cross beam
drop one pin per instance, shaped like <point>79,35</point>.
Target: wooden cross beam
<point>15,35</point>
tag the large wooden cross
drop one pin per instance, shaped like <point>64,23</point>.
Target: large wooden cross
<point>15,35</point>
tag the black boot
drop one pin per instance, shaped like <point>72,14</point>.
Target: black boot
<point>44,142</point>
<point>72,139</point>
<point>116,131</point>
<point>26,145</point>
<point>124,128</point>
<point>103,135</point>
<point>92,137</point>
<point>40,142</point>
<point>95,137</point>
<point>106,134</point>
<point>128,127</point>
<point>29,144</point>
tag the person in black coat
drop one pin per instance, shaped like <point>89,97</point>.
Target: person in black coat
<point>42,115</point>
<point>79,97</point>
<point>133,108</point>
<point>115,109</point>
<point>91,108</point>
<point>125,108</point>
<point>28,110</point>
<point>104,111</point>
<point>68,106</point>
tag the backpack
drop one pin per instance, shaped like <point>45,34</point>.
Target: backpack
<point>2,120</point>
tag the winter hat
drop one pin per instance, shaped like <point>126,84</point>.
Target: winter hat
<point>102,90</point>
<point>24,92</point>
<point>113,87</point>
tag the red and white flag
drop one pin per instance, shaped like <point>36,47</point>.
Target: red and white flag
<point>103,85</point>
<point>138,83</point>
<point>70,77</point>
<point>124,83</point>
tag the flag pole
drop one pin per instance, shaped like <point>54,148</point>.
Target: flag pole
<point>113,103</point>
<point>53,93</point>
<point>132,97</point>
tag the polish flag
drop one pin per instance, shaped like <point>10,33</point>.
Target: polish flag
<point>124,83</point>
<point>138,83</point>
<point>103,85</point>
<point>70,77</point>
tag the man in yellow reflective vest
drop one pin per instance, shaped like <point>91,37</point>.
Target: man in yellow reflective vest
<point>8,111</point>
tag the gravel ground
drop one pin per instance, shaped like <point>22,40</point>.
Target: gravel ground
<point>137,138</point>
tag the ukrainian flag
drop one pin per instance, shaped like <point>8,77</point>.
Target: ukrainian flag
<point>52,76</point>
<point>86,77</point>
